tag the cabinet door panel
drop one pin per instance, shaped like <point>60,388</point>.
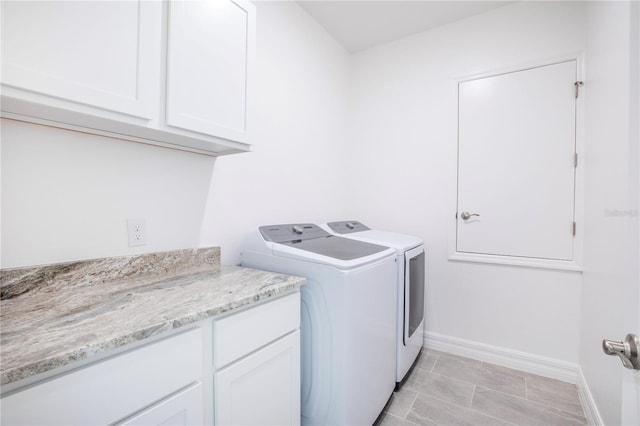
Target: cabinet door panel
<point>184,408</point>
<point>210,50</point>
<point>258,326</point>
<point>263,388</point>
<point>128,382</point>
<point>69,50</point>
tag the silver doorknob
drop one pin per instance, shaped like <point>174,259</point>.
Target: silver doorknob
<point>467,215</point>
<point>627,350</point>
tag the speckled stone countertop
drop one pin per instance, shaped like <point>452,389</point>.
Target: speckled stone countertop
<point>54,315</point>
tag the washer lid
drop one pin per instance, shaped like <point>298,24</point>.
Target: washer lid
<point>313,239</point>
<point>337,247</point>
<point>400,242</point>
<point>357,231</point>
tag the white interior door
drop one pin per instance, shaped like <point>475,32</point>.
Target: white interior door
<point>611,277</point>
<point>516,163</point>
<point>627,309</point>
<point>631,379</point>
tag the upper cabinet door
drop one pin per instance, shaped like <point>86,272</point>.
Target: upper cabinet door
<point>103,54</point>
<point>516,164</point>
<point>209,61</point>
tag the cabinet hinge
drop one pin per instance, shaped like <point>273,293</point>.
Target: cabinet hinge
<point>575,160</point>
<point>574,229</point>
<point>577,85</point>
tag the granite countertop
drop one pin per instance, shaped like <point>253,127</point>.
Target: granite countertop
<point>118,301</point>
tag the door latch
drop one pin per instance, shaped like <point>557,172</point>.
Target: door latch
<point>627,350</point>
<point>467,215</point>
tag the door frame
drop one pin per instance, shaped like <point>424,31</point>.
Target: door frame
<point>576,263</point>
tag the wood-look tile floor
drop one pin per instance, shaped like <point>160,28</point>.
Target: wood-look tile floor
<point>446,389</point>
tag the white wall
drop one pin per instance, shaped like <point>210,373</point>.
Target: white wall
<point>404,171</point>
<point>67,195</point>
<point>297,172</point>
<point>611,247</point>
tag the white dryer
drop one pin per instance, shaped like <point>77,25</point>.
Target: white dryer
<point>347,320</point>
<point>410,286</point>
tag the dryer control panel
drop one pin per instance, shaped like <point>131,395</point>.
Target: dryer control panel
<point>292,232</point>
<point>347,227</point>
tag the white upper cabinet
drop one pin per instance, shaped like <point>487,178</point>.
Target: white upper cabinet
<point>102,54</point>
<point>208,65</point>
<point>175,74</point>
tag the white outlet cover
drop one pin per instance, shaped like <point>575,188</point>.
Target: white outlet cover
<point>137,231</point>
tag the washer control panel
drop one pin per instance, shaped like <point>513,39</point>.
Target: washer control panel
<point>292,232</point>
<point>347,227</point>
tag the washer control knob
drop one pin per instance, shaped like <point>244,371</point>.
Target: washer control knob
<point>351,225</point>
<point>297,229</point>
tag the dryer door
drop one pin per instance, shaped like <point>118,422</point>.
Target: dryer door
<point>413,292</point>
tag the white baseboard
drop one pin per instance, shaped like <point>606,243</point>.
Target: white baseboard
<point>542,366</point>
<point>588,403</point>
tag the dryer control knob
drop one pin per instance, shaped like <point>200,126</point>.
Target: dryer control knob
<point>297,229</point>
<point>350,225</point>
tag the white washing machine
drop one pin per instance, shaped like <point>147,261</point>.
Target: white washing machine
<point>347,320</point>
<point>410,286</point>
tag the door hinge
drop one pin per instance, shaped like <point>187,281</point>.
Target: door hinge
<point>577,85</point>
<point>575,160</point>
<point>574,229</point>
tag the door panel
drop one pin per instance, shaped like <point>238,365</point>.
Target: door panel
<point>70,50</point>
<point>209,49</point>
<point>262,388</point>
<point>516,165</point>
<point>631,378</point>
<point>611,278</point>
<point>183,409</point>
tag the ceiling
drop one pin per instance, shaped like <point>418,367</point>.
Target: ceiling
<point>361,24</point>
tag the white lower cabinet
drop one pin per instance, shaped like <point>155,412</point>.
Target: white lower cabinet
<point>257,363</point>
<point>112,390</point>
<point>262,388</point>
<point>237,370</point>
<point>182,409</point>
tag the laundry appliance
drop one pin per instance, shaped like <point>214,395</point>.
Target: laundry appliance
<point>347,318</point>
<point>410,286</point>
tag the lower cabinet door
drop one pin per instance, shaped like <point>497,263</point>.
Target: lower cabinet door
<point>262,388</point>
<point>112,389</point>
<point>182,409</point>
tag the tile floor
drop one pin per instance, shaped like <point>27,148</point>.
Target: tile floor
<point>446,389</point>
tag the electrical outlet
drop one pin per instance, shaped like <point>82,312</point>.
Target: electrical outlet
<point>137,232</point>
